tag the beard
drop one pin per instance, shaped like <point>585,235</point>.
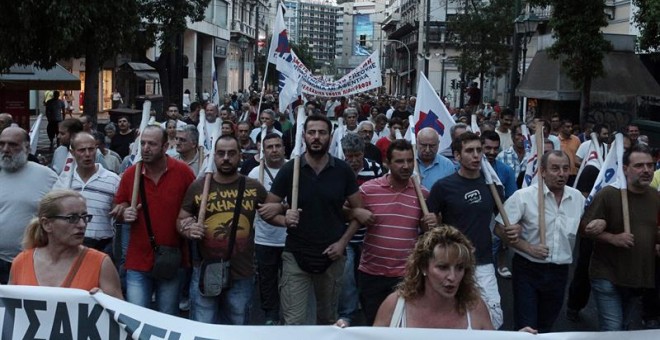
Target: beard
<point>226,171</point>
<point>13,163</point>
<point>317,153</point>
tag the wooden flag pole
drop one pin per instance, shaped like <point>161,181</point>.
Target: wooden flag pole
<point>136,184</point>
<point>626,212</point>
<point>205,198</point>
<point>200,157</point>
<point>541,198</point>
<point>500,207</point>
<point>416,183</point>
<point>262,158</point>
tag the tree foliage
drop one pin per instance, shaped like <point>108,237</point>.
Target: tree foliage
<point>647,19</point>
<point>42,32</point>
<point>164,22</point>
<point>481,34</point>
<point>579,43</point>
<point>304,54</point>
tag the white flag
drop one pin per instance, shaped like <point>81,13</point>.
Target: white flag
<point>592,157</point>
<point>430,111</point>
<point>611,173</point>
<point>146,114</point>
<point>489,173</point>
<point>300,125</point>
<point>474,126</point>
<point>34,134</point>
<point>290,92</point>
<point>215,93</point>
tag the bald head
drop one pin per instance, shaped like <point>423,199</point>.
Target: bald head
<point>428,142</point>
<point>81,136</point>
<point>5,121</point>
<point>428,132</point>
<point>16,133</point>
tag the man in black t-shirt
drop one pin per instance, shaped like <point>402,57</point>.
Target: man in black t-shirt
<point>464,201</point>
<point>121,141</point>
<point>313,257</point>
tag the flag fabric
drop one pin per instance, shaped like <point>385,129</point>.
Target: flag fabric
<point>335,144</point>
<point>208,166</point>
<point>69,168</point>
<point>611,173</point>
<point>474,127</point>
<point>592,157</point>
<point>531,165</point>
<point>430,111</point>
<point>300,125</point>
<point>201,131</point>
<point>489,173</point>
<point>290,92</point>
<point>279,52</point>
<point>34,134</point>
<point>527,138</point>
<point>146,115</point>
<point>215,92</point>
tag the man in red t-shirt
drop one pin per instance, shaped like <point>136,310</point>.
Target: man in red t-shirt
<point>165,183</point>
<point>339,109</point>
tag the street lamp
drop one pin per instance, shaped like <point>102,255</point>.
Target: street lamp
<point>525,25</point>
<point>243,45</point>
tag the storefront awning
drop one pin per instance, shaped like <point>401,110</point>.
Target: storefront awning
<point>142,70</point>
<point>624,75</point>
<point>30,77</point>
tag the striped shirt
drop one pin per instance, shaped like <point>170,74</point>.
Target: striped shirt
<point>370,170</point>
<point>99,192</point>
<point>390,240</point>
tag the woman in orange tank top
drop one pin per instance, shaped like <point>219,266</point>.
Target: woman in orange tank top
<point>54,255</point>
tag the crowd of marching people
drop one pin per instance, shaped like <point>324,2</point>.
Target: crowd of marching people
<point>346,211</point>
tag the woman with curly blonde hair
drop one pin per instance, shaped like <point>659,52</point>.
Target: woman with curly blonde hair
<point>439,289</point>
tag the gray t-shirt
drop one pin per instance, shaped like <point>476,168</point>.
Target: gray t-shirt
<point>20,193</point>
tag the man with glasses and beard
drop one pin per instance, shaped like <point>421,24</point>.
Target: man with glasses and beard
<point>213,236</point>
<point>22,184</point>
<point>313,256</point>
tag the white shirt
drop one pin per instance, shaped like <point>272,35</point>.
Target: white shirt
<point>267,234</point>
<point>561,222</point>
<point>584,148</point>
<point>99,192</point>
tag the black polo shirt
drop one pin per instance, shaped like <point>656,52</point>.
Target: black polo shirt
<point>321,198</point>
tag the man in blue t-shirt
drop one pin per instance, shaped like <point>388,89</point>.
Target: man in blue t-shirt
<point>464,201</point>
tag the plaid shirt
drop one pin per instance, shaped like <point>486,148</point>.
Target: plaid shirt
<point>510,158</point>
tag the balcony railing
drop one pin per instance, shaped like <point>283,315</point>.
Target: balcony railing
<point>242,28</point>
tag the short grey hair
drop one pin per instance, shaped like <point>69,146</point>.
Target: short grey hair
<point>363,123</point>
<point>456,127</point>
<point>352,143</point>
<point>191,132</point>
<point>351,110</point>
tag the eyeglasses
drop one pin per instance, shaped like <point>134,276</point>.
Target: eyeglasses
<point>74,218</point>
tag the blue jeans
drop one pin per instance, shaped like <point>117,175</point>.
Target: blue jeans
<point>140,286</point>
<point>538,293</point>
<point>232,307</point>
<point>615,304</point>
<point>348,297</point>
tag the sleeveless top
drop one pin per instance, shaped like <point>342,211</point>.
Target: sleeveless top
<point>87,276</point>
<point>399,316</point>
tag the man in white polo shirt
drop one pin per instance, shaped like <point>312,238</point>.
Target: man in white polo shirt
<point>98,186</point>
